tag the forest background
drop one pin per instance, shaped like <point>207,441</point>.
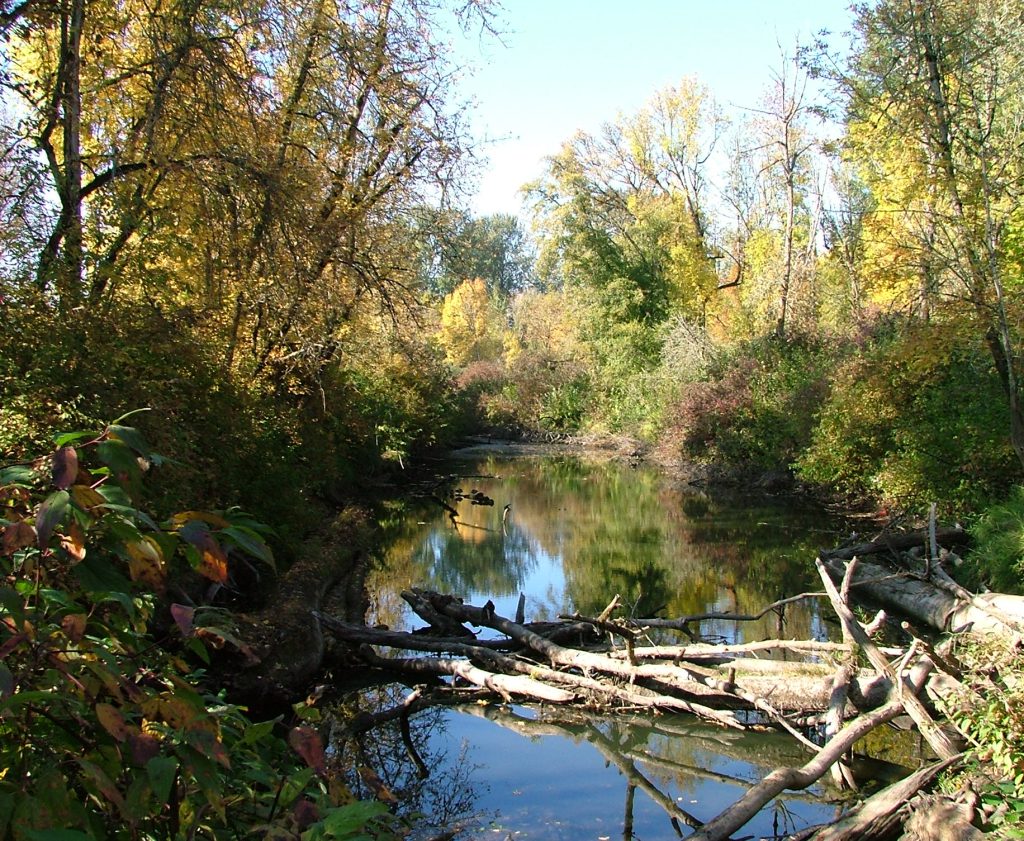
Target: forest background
<point>245,217</point>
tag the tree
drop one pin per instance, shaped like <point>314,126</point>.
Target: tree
<point>626,210</point>
<point>781,156</point>
<point>934,88</point>
<point>241,165</point>
<point>457,246</point>
<point>471,324</point>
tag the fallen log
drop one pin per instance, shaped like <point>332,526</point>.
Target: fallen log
<point>584,686</point>
<point>743,810</point>
<point>935,606</point>
<point>879,815</point>
<point>892,542</point>
<point>936,818</point>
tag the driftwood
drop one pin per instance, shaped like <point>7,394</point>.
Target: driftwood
<point>880,814</point>
<point>818,683</point>
<point>938,740</point>
<point>925,592</point>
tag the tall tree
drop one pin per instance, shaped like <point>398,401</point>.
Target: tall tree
<point>247,164</point>
<point>457,247</point>
<point>626,211</point>
<point>945,79</point>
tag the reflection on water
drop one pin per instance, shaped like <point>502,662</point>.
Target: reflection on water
<point>576,534</point>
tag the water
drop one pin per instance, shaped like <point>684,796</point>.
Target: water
<point>577,533</point>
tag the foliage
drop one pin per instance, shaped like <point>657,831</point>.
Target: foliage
<point>990,712</point>
<point>471,326</point>
<point>758,413</point>
<point>918,417</point>
<point>996,560</point>
<point>456,247</point>
<point>106,730</point>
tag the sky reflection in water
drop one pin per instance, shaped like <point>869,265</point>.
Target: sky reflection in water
<point>577,534</point>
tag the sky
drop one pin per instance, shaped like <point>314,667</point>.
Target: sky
<point>568,65</point>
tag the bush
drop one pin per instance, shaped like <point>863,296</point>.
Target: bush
<point>996,559</point>
<point>918,417</point>
<point>106,730</point>
<point>758,412</point>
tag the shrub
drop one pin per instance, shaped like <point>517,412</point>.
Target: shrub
<point>996,559</point>
<point>918,417</point>
<point>106,730</point>
<point>758,412</point>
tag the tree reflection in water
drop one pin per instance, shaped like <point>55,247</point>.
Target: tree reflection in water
<point>579,532</point>
<point>440,801</point>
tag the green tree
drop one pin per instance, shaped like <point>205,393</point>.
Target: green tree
<point>626,209</point>
<point>457,246</point>
<point>934,89</point>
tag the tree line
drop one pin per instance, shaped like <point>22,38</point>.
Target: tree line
<point>246,216</point>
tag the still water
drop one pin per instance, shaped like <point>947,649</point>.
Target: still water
<point>574,534</point>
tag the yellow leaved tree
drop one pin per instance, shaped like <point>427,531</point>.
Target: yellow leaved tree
<point>471,324</point>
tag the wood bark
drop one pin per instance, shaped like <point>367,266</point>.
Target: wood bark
<point>741,812</point>
<point>932,604</point>
<point>880,815</point>
<point>936,738</point>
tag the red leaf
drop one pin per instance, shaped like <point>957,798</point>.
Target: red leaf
<point>65,468</point>
<point>12,644</point>
<point>144,747</point>
<point>306,742</point>
<point>183,616</point>
<point>18,536</point>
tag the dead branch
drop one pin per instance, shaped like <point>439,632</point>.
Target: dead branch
<point>935,737</point>
<point>744,809</point>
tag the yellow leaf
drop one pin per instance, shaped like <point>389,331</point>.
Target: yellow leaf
<point>183,517</point>
<point>86,497</point>
<point>146,564</point>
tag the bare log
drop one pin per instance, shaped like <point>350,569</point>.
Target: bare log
<point>504,685</point>
<point>889,543</point>
<point>880,814</point>
<point>936,738</point>
<point>744,809</point>
<point>939,603</point>
<point>698,652</point>
<point>604,691</point>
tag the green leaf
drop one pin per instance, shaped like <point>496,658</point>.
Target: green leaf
<point>123,464</point>
<point>342,821</point>
<point>96,575</point>
<point>17,474</point>
<point>66,438</point>
<point>132,437</point>
<point>259,731</point>
<point>50,514</point>
<point>249,542</point>
<point>161,771</point>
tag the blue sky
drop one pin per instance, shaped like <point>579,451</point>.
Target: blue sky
<point>575,64</point>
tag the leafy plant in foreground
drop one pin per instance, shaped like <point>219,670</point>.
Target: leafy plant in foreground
<point>106,731</point>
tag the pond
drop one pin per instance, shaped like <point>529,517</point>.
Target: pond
<point>570,534</point>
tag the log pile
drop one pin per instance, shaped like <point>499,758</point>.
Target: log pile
<point>605,663</point>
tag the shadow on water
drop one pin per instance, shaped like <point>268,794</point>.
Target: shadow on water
<point>575,535</point>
